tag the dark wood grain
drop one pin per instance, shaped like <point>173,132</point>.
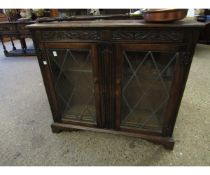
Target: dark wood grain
<point>108,40</point>
<point>167,142</point>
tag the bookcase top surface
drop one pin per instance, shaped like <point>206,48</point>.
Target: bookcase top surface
<point>186,23</point>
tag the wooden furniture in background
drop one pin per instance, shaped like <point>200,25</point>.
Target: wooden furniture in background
<point>204,37</point>
<point>116,76</point>
<point>53,12</point>
<point>3,18</point>
<point>16,30</point>
<point>205,33</point>
<point>79,12</point>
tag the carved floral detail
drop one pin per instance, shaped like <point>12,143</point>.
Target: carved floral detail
<point>70,34</point>
<point>151,35</point>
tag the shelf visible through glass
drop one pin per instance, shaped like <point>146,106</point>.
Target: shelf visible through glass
<point>147,78</point>
<point>73,81</point>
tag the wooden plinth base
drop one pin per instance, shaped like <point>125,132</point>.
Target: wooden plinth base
<point>167,142</point>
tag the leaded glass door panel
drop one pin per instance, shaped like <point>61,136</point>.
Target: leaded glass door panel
<point>73,70</point>
<point>146,76</point>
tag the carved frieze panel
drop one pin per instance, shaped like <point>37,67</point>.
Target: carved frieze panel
<point>69,34</point>
<point>148,35</point>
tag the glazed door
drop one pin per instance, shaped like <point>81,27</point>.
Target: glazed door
<point>74,70</point>
<point>144,76</point>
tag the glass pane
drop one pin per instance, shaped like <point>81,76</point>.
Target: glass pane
<point>72,71</point>
<point>147,78</point>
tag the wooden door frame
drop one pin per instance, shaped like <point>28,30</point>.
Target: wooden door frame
<point>94,60</point>
<point>179,82</point>
<point>119,76</point>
